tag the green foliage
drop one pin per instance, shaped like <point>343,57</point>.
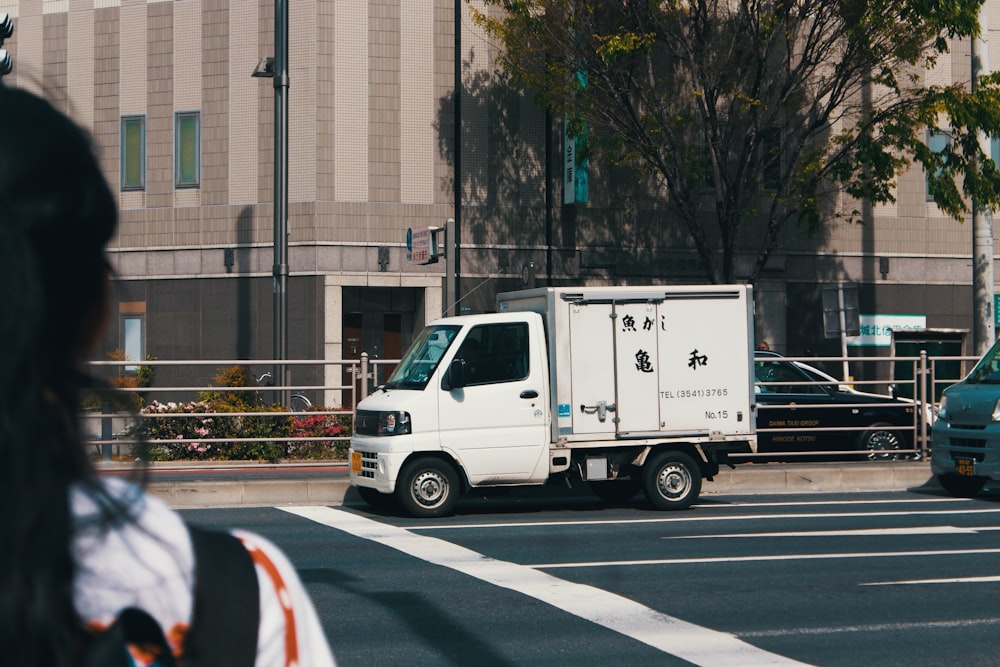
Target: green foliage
<point>316,425</point>
<point>693,94</point>
<point>144,375</point>
<point>115,400</point>
<point>202,429</point>
<point>175,431</point>
<point>233,401</point>
<point>172,436</point>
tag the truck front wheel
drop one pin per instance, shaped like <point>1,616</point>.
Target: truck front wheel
<point>427,487</point>
<point>672,480</point>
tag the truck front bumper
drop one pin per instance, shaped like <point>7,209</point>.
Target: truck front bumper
<point>375,463</point>
<point>965,452</point>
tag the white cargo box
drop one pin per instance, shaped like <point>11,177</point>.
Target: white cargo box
<point>640,362</point>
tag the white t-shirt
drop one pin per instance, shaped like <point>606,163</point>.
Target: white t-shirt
<point>149,564</point>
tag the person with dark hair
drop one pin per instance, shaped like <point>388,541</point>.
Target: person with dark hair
<point>471,353</point>
<point>77,549</point>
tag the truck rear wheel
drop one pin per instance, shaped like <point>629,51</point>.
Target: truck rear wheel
<point>961,487</point>
<point>427,487</point>
<point>672,480</point>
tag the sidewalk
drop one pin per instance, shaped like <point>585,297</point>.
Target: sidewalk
<point>747,479</point>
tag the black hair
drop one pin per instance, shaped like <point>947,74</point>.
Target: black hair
<point>57,214</point>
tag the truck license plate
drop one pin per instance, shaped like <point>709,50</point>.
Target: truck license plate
<point>356,462</point>
<point>964,466</point>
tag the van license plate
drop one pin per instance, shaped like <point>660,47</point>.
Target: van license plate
<point>356,463</point>
<point>965,467</point>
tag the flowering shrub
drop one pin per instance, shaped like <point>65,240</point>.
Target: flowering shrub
<point>320,425</point>
<point>159,431</point>
<point>175,431</point>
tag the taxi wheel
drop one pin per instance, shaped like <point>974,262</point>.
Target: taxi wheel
<point>881,442</point>
<point>383,502</point>
<point>427,487</point>
<point>672,480</point>
<point>961,487</point>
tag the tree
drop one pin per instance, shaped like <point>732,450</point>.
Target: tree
<point>758,110</point>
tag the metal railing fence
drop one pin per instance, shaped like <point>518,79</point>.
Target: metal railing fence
<point>187,392</point>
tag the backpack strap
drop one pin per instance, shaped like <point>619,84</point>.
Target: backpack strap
<point>226,614</point>
<point>131,627</point>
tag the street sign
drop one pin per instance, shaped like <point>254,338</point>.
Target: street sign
<point>423,244</point>
<point>840,311</point>
<point>877,329</point>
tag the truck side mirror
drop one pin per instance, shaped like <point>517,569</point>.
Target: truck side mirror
<point>458,374</point>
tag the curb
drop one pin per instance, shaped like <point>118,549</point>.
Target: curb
<point>748,479</point>
<point>753,478</point>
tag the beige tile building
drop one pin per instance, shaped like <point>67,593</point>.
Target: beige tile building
<point>186,137</point>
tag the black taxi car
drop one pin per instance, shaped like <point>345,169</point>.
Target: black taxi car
<point>803,414</point>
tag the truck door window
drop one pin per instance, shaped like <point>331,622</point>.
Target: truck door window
<point>495,353</point>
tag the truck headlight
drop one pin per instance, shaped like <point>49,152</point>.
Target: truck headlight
<point>942,411</point>
<point>393,423</point>
<point>996,411</point>
<point>382,422</point>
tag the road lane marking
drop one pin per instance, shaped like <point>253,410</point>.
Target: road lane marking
<point>858,532</point>
<point>877,628</point>
<point>577,523</point>
<point>953,580</point>
<point>694,643</point>
<point>753,559</point>
<point>862,501</point>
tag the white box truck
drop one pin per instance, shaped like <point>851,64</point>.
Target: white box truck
<point>625,388</point>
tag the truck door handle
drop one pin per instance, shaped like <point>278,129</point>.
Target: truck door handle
<point>602,409</point>
<point>529,393</point>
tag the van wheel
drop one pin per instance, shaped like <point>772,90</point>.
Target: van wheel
<point>427,487</point>
<point>960,486</point>
<point>881,443</point>
<point>672,480</point>
<point>383,502</point>
<point>617,490</point>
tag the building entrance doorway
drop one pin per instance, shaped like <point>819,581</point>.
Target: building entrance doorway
<point>381,322</point>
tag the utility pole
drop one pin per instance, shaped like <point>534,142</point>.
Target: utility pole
<point>456,226</point>
<point>281,193</point>
<point>984,329</point>
<point>276,68</point>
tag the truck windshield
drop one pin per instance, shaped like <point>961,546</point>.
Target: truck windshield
<point>987,371</point>
<point>422,358</point>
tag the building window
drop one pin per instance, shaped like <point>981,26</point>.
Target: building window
<point>937,141</point>
<point>132,339</point>
<point>133,153</point>
<point>187,149</point>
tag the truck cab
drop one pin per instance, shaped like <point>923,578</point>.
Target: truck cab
<point>965,437</point>
<point>472,392</point>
